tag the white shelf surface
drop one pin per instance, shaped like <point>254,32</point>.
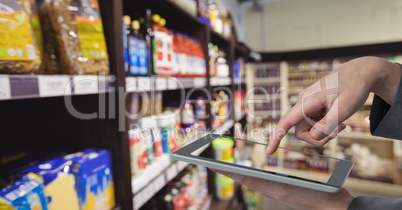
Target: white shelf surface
<point>42,86</point>
<point>155,83</point>
<point>220,81</point>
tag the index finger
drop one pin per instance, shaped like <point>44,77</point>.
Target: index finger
<point>293,117</point>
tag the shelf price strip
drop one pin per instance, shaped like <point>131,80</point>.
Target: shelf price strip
<point>5,88</point>
<point>54,86</point>
<point>87,84</point>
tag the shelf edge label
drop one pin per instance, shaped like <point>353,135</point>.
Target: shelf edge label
<point>5,88</point>
<point>54,86</point>
<point>85,84</point>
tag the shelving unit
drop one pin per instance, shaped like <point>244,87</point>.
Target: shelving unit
<point>49,127</point>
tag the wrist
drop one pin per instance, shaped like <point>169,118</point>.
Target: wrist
<point>383,77</point>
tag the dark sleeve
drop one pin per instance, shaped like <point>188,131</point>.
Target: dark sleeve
<point>385,121</point>
<point>375,203</point>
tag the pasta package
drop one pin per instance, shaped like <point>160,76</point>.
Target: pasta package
<point>26,193</point>
<point>19,53</point>
<point>79,35</point>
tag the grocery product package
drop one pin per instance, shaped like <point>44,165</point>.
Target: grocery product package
<point>79,35</point>
<point>50,51</point>
<point>19,53</point>
<point>59,181</point>
<point>94,179</point>
<point>26,193</point>
<point>30,7</point>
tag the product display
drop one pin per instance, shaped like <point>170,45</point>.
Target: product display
<point>218,66</point>
<point>85,52</point>
<point>304,74</point>
<point>77,181</point>
<point>50,51</point>
<point>368,165</point>
<point>220,108</point>
<point>19,52</point>
<point>188,190</point>
<point>172,53</point>
<point>25,193</point>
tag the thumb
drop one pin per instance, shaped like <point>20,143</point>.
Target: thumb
<point>326,125</point>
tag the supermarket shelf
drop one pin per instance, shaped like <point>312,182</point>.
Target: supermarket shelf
<point>218,39</point>
<point>220,81</point>
<point>239,81</point>
<point>265,113</point>
<point>360,185</point>
<point>155,177</point>
<point>266,80</point>
<point>224,127</point>
<point>363,136</point>
<point>41,86</point>
<point>267,96</point>
<point>163,83</point>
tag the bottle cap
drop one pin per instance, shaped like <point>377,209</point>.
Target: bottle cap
<point>162,21</point>
<point>156,18</point>
<point>135,25</point>
<point>126,20</point>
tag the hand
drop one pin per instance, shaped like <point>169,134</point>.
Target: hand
<point>323,106</point>
<point>293,196</point>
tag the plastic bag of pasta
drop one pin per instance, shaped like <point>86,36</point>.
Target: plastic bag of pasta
<point>18,51</point>
<point>79,34</point>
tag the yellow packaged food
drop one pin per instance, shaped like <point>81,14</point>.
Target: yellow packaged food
<point>18,51</point>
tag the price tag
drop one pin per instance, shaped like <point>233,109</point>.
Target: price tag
<point>144,83</point>
<point>5,88</point>
<point>225,81</point>
<point>131,84</point>
<point>54,86</point>
<point>214,81</point>
<point>173,83</point>
<point>161,84</point>
<point>85,84</point>
<point>159,183</point>
<point>199,82</point>
<point>171,172</point>
<point>148,192</point>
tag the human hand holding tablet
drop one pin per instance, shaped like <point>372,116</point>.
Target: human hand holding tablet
<point>333,181</point>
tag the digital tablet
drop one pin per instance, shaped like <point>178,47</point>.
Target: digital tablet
<point>287,173</point>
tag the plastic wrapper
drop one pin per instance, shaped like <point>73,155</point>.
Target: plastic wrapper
<point>31,9</point>
<point>19,53</point>
<point>50,53</point>
<point>26,193</point>
<point>79,35</point>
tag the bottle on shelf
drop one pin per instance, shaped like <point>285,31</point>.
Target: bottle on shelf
<point>149,39</point>
<point>134,37</point>
<point>126,33</point>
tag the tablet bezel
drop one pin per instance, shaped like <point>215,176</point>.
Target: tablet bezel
<point>334,183</point>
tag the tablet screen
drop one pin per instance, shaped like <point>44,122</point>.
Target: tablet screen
<point>306,164</point>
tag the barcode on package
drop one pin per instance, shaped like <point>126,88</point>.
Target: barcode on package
<point>31,51</point>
